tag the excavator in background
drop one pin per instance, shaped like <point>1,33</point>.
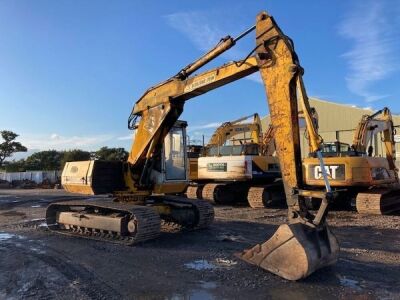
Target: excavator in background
<point>233,166</point>
<point>229,131</point>
<point>372,183</point>
<point>225,133</point>
<point>157,166</point>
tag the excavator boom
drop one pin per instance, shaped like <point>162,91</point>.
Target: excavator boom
<point>161,106</point>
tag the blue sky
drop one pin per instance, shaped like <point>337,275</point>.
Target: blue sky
<point>70,71</point>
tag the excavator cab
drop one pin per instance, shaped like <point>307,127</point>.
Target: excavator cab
<point>173,175</point>
<point>336,149</point>
<point>175,155</point>
<point>169,174</point>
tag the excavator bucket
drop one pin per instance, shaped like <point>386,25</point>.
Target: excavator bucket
<point>294,251</point>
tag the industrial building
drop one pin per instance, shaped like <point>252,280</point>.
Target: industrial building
<point>338,122</point>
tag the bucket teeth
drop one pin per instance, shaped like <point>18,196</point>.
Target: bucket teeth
<point>294,251</point>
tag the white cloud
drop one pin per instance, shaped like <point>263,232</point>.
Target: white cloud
<point>55,136</point>
<point>125,137</point>
<point>368,108</point>
<point>256,77</point>
<point>196,137</point>
<point>58,142</point>
<point>197,133</point>
<point>204,30</point>
<point>374,47</point>
<point>204,126</point>
<point>196,26</point>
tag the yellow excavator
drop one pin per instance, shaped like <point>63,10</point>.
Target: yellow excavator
<point>157,164</point>
<point>371,183</point>
<point>234,166</point>
<point>225,133</point>
<point>237,132</point>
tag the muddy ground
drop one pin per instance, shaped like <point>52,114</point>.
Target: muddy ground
<point>38,264</point>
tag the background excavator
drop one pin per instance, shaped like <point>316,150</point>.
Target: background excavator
<point>157,164</point>
<point>372,183</point>
<point>234,166</point>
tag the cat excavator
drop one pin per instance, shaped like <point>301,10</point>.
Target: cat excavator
<point>371,183</point>
<point>156,166</point>
<point>235,167</point>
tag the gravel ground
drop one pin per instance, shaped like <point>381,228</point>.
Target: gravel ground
<point>38,264</point>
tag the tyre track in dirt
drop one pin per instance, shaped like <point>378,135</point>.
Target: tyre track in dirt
<point>82,282</point>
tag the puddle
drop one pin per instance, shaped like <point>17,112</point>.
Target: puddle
<point>37,250</point>
<point>200,295</point>
<point>351,283</point>
<point>208,285</point>
<point>225,237</point>
<point>219,263</point>
<point>42,225</point>
<point>200,264</point>
<point>6,236</point>
<point>194,295</point>
<point>225,263</point>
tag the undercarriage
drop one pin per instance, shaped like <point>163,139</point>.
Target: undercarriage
<point>124,222</point>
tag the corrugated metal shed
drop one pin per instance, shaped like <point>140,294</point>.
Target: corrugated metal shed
<point>36,176</point>
<point>341,119</point>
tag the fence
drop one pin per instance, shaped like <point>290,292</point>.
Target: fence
<point>36,176</point>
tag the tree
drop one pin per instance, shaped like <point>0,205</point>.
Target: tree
<point>74,155</point>
<point>15,166</point>
<point>106,153</point>
<point>9,146</point>
<point>44,160</point>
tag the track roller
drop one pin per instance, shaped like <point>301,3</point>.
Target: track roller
<point>186,213</point>
<point>192,192</point>
<point>266,197</point>
<point>255,197</point>
<point>208,192</point>
<point>378,202</point>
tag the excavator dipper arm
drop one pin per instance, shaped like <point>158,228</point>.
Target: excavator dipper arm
<point>379,122</point>
<point>305,244</point>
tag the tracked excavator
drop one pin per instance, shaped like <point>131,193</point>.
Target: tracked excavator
<point>371,183</point>
<point>156,164</point>
<point>235,166</point>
